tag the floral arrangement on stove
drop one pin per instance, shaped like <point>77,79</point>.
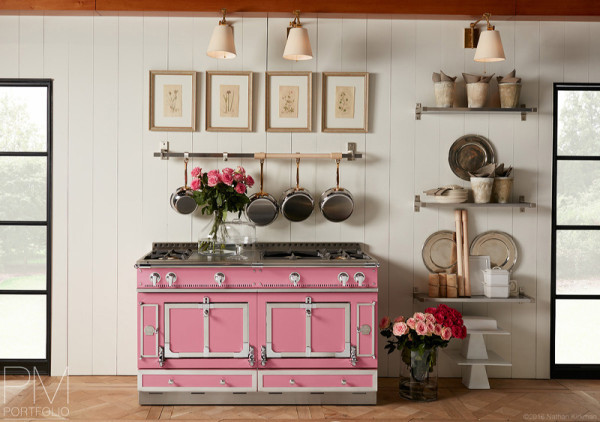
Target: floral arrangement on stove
<point>417,339</point>
<point>218,193</point>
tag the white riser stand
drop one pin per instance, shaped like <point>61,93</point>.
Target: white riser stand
<point>474,357</point>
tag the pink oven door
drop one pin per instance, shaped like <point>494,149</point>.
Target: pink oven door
<point>308,329</point>
<point>206,330</point>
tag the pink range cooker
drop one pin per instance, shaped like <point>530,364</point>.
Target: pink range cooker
<point>294,323</point>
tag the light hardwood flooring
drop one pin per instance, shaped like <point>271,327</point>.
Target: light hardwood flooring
<point>96,398</point>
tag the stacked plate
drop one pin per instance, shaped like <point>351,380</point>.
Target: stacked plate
<point>452,194</point>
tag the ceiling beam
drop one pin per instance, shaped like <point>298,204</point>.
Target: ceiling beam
<point>47,4</point>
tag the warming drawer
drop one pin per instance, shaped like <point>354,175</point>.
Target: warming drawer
<point>317,381</point>
<point>201,381</point>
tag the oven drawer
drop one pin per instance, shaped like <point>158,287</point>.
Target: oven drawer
<point>185,380</point>
<point>327,380</point>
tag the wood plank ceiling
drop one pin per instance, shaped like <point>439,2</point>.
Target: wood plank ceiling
<point>431,8</point>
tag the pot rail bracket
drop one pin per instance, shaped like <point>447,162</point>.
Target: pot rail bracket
<point>350,155</point>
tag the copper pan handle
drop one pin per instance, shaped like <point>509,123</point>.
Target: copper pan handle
<point>185,162</point>
<point>337,174</point>
<point>297,173</point>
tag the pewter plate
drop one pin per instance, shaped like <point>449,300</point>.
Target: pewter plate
<point>499,246</point>
<point>469,153</point>
<point>437,252</point>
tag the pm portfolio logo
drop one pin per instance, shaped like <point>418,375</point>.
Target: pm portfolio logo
<point>30,397</point>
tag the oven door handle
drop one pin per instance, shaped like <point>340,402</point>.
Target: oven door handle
<point>263,355</point>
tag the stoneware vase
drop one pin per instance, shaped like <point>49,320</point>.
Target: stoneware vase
<point>482,189</point>
<point>509,95</point>
<point>502,189</point>
<point>477,94</point>
<point>444,93</point>
<point>418,374</point>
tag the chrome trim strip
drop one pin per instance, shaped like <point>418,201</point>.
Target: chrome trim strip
<point>286,290</point>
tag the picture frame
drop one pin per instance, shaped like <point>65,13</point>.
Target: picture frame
<point>288,101</point>
<point>345,103</point>
<point>228,101</point>
<point>172,100</point>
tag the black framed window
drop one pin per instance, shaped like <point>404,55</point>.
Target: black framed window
<point>576,232</point>
<point>25,224</point>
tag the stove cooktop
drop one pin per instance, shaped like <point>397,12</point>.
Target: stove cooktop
<point>261,254</point>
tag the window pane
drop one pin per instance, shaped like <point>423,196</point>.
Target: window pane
<point>577,262</point>
<point>578,123</point>
<point>23,188</point>
<point>576,339</point>
<point>22,258</point>
<point>23,326</point>
<point>578,192</point>
<point>23,112</point>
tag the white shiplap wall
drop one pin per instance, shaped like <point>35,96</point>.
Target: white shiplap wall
<point>110,194</point>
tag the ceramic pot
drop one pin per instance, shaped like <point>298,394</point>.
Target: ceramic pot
<point>510,94</point>
<point>477,94</point>
<point>502,189</point>
<point>444,93</point>
<point>482,189</point>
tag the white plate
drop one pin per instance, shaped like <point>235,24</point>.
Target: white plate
<point>499,246</point>
<point>437,251</point>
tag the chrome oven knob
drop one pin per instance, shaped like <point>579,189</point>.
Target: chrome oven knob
<point>154,278</point>
<point>171,279</point>
<point>220,278</point>
<point>359,278</point>
<point>343,278</point>
<point>295,278</point>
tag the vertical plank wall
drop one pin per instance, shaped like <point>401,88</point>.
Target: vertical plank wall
<point>111,196</point>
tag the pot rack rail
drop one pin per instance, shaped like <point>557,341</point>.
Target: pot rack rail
<point>350,155</point>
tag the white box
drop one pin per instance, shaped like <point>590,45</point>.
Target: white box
<point>495,290</point>
<point>496,277</point>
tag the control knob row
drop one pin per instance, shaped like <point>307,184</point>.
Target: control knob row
<point>170,277</point>
<point>359,278</point>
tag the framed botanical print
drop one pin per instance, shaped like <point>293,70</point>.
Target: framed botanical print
<point>172,100</point>
<point>345,102</point>
<point>228,101</point>
<point>288,101</point>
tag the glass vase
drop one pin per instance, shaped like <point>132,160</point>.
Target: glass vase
<point>214,238</point>
<point>418,374</point>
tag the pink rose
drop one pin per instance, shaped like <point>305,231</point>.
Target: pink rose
<point>240,188</point>
<point>227,178</point>
<point>213,180</point>
<point>214,173</point>
<point>438,330</point>
<point>446,333</point>
<point>384,323</point>
<point>430,318</point>
<point>196,171</point>
<point>411,323</point>
<point>430,327</point>
<point>399,319</point>
<point>238,177</point>
<point>421,328</point>
<point>240,169</point>
<point>227,170</point>
<point>419,316</point>
<point>195,185</point>
<point>249,181</point>
<point>400,328</point>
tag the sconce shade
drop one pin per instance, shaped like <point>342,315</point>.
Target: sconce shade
<point>489,47</point>
<point>298,45</point>
<point>222,45</point>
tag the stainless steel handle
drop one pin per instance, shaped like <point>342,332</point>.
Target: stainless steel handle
<point>161,356</point>
<point>353,355</point>
<point>292,382</point>
<point>171,381</point>
<point>155,279</point>
<point>295,278</point>
<point>359,277</point>
<point>263,355</point>
<point>344,382</point>
<point>222,382</point>
<point>171,279</point>
<point>251,356</point>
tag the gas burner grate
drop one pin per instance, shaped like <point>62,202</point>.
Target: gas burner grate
<point>170,254</point>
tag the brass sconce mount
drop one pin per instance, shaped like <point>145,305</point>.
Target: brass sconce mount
<point>472,33</point>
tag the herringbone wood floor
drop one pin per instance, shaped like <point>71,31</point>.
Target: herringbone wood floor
<point>96,398</point>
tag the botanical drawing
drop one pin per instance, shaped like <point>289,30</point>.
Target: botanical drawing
<point>344,102</point>
<point>288,101</point>
<point>230,100</point>
<point>172,101</point>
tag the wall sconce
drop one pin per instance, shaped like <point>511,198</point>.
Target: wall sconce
<point>297,46</point>
<point>222,45</point>
<point>488,43</point>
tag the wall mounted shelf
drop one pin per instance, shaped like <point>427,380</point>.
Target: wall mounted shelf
<point>522,205</point>
<point>523,110</point>
<point>522,298</point>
